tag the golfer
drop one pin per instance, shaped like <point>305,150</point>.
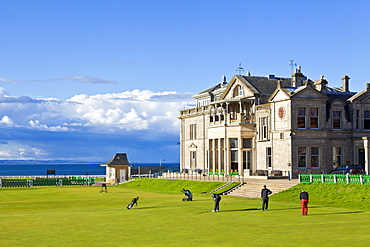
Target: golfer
<point>217,199</point>
<point>188,195</point>
<point>103,188</point>
<point>133,201</point>
<point>303,196</point>
<point>265,198</point>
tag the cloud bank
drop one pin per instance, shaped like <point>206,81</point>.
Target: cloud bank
<point>40,128</point>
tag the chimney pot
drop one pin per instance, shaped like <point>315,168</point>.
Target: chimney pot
<point>345,83</point>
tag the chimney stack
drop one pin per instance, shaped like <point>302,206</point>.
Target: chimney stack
<point>320,85</point>
<point>298,78</point>
<point>345,83</point>
<point>224,82</point>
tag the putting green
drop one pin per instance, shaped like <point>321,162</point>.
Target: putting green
<point>81,216</point>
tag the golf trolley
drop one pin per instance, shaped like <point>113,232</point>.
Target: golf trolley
<point>134,201</point>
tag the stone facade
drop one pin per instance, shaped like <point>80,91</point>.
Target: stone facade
<point>289,125</point>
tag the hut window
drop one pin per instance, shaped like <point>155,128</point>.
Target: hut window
<point>112,173</point>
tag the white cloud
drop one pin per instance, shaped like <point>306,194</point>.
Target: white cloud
<point>7,80</point>
<point>87,79</point>
<point>128,111</point>
<point>36,124</point>
<point>23,152</point>
<point>3,92</point>
<point>6,120</point>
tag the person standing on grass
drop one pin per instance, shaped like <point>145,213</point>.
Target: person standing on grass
<point>303,196</point>
<point>265,198</point>
<point>217,199</point>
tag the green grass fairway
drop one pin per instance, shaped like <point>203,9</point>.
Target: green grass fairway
<point>81,216</point>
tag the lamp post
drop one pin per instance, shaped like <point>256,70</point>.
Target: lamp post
<point>160,162</point>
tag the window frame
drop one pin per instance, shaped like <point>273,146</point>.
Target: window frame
<point>317,117</point>
<point>193,131</point>
<point>234,153</point>
<point>268,157</point>
<point>317,156</point>
<point>301,117</point>
<point>337,154</point>
<point>240,91</point>
<point>264,129</point>
<point>304,157</point>
<point>366,120</point>
<point>247,146</point>
<point>337,119</point>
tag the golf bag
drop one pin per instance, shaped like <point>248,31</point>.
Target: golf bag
<point>132,203</point>
<point>188,195</point>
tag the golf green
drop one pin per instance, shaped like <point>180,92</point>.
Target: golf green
<point>81,216</point>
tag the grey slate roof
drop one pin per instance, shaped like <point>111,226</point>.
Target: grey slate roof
<point>119,159</point>
<point>264,85</point>
<point>332,93</point>
<point>217,86</point>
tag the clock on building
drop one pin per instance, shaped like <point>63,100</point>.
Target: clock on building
<point>281,112</point>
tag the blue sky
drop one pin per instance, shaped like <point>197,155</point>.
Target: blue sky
<point>87,79</point>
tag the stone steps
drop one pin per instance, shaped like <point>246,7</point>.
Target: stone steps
<point>253,189</point>
<point>221,187</point>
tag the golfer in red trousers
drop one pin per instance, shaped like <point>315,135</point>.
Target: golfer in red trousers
<point>304,202</point>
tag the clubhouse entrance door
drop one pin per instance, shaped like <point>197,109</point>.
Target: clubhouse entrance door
<point>361,157</point>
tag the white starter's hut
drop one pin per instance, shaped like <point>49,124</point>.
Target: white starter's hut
<point>118,169</point>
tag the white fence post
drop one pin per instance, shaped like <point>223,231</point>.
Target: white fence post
<point>29,182</point>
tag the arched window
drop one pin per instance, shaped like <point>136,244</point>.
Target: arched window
<point>238,91</point>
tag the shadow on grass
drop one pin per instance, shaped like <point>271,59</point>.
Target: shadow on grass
<point>290,208</point>
<point>297,208</point>
<point>142,208</point>
<point>234,210</point>
<point>353,212</point>
<point>204,212</point>
<point>257,209</point>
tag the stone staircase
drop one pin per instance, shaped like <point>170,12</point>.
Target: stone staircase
<point>252,189</point>
<point>221,187</point>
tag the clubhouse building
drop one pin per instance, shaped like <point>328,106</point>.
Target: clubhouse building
<point>257,125</point>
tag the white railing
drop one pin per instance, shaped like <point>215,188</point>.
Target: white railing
<point>56,176</point>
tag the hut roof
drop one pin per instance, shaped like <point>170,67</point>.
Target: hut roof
<point>120,159</point>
